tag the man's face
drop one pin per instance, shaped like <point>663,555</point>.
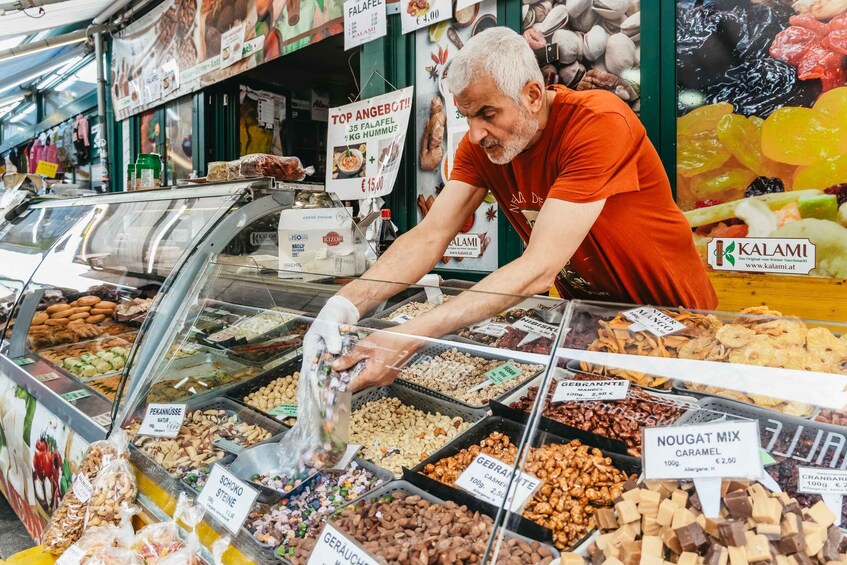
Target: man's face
<point>501,127</point>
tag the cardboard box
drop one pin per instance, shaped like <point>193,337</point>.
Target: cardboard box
<point>323,241</point>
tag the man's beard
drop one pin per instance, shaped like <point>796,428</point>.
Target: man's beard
<point>526,129</point>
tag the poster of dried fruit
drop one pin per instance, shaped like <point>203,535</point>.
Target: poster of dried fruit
<point>440,128</point>
<point>762,122</point>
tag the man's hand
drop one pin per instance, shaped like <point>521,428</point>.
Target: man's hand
<point>384,353</point>
<point>337,311</point>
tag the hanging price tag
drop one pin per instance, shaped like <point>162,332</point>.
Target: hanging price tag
<point>487,477</point>
<point>162,420</point>
<point>287,410</point>
<point>334,547</point>
<point>46,169</point>
<point>830,484</point>
<point>75,395</point>
<point>582,391</point>
<point>655,322</point>
<point>227,498</point>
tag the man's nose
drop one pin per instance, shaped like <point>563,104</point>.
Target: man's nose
<point>476,133</point>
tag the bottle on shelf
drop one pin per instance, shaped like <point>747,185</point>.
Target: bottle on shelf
<point>387,233</point>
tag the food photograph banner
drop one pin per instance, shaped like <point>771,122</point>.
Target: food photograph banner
<point>182,46</point>
<point>762,128</point>
<point>440,128</point>
<point>365,142</point>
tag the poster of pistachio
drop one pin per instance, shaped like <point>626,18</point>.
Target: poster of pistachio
<point>598,42</point>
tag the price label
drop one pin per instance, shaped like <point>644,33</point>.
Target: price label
<point>227,498</point>
<point>434,11</point>
<point>286,410</point>
<point>493,329</point>
<point>232,45</point>
<point>82,487</point>
<point>364,20</point>
<point>503,373</point>
<point>487,478</point>
<point>162,420</point>
<point>75,395</point>
<point>722,450</point>
<point>334,547</point>
<point>372,184</point>
<point>653,321</point>
<point>814,480</point>
<point>531,325</point>
<point>46,169</point>
<point>401,318</point>
<point>48,377</point>
<point>22,361</point>
<point>583,391</point>
<point>103,419</point>
<point>72,556</point>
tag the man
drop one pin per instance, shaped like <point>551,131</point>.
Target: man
<point>575,174</point>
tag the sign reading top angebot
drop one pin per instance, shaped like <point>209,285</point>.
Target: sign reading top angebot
<point>365,142</point>
<point>762,255</point>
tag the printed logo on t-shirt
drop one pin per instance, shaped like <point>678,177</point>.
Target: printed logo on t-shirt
<point>531,216</point>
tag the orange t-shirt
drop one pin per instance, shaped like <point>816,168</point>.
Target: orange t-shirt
<point>640,249</point>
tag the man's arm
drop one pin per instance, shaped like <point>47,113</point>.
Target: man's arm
<point>559,230</point>
<point>416,252</point>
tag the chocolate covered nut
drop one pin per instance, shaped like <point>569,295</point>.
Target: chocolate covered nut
<point>691,537</point>
<point>732,533</point>
<point>738,505</point>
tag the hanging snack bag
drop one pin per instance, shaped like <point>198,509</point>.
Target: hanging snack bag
<point>114,556</point>
<point>157,541</point>
<point>66,525</point>
<point>113,489</point>
<point>189,514</point>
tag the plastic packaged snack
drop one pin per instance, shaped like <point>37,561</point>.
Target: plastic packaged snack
<point>113,489</point>
<point>157,541</point>
<point>98,538</point>
<point>114,556</point>
<point>281,168</point>
<point>217,171</point>
<point>233,170</point>
<point>319,437</point>
<point>66,525</point>
<point>189,514</point>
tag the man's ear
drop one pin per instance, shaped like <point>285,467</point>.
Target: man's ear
<point>533,95</point>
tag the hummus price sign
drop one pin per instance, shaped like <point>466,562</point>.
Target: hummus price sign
<point>365,144</point>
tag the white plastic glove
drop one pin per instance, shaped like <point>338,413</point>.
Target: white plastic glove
<point>337,312</point>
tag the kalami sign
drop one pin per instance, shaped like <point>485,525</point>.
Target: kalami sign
<point>762,255</point>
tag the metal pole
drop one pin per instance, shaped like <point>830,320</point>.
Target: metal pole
<point>25,4</point>
<point>101,109</point>
<point>74,37</point>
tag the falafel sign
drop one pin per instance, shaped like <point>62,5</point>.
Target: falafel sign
<point>365,142</point>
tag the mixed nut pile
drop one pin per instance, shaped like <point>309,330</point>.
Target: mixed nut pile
<point>459,375</point>
<point>194,447</point>
<point>402,528</point>
<point>577,481</point>
<point>395,435</point>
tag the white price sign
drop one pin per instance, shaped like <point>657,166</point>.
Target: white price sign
<point>814,480</point>
<point>531,325</point>
<point>72,556</point>
<point>334,547</point>
<point>227,498</point>
<point>653,321</point>
<point>492,329</point>
<point>583,391</point>
<point>721,450</point>
<point>417,14</point>
<point>487,478</point>
<point>162,420</point>
<point>364,20</point>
